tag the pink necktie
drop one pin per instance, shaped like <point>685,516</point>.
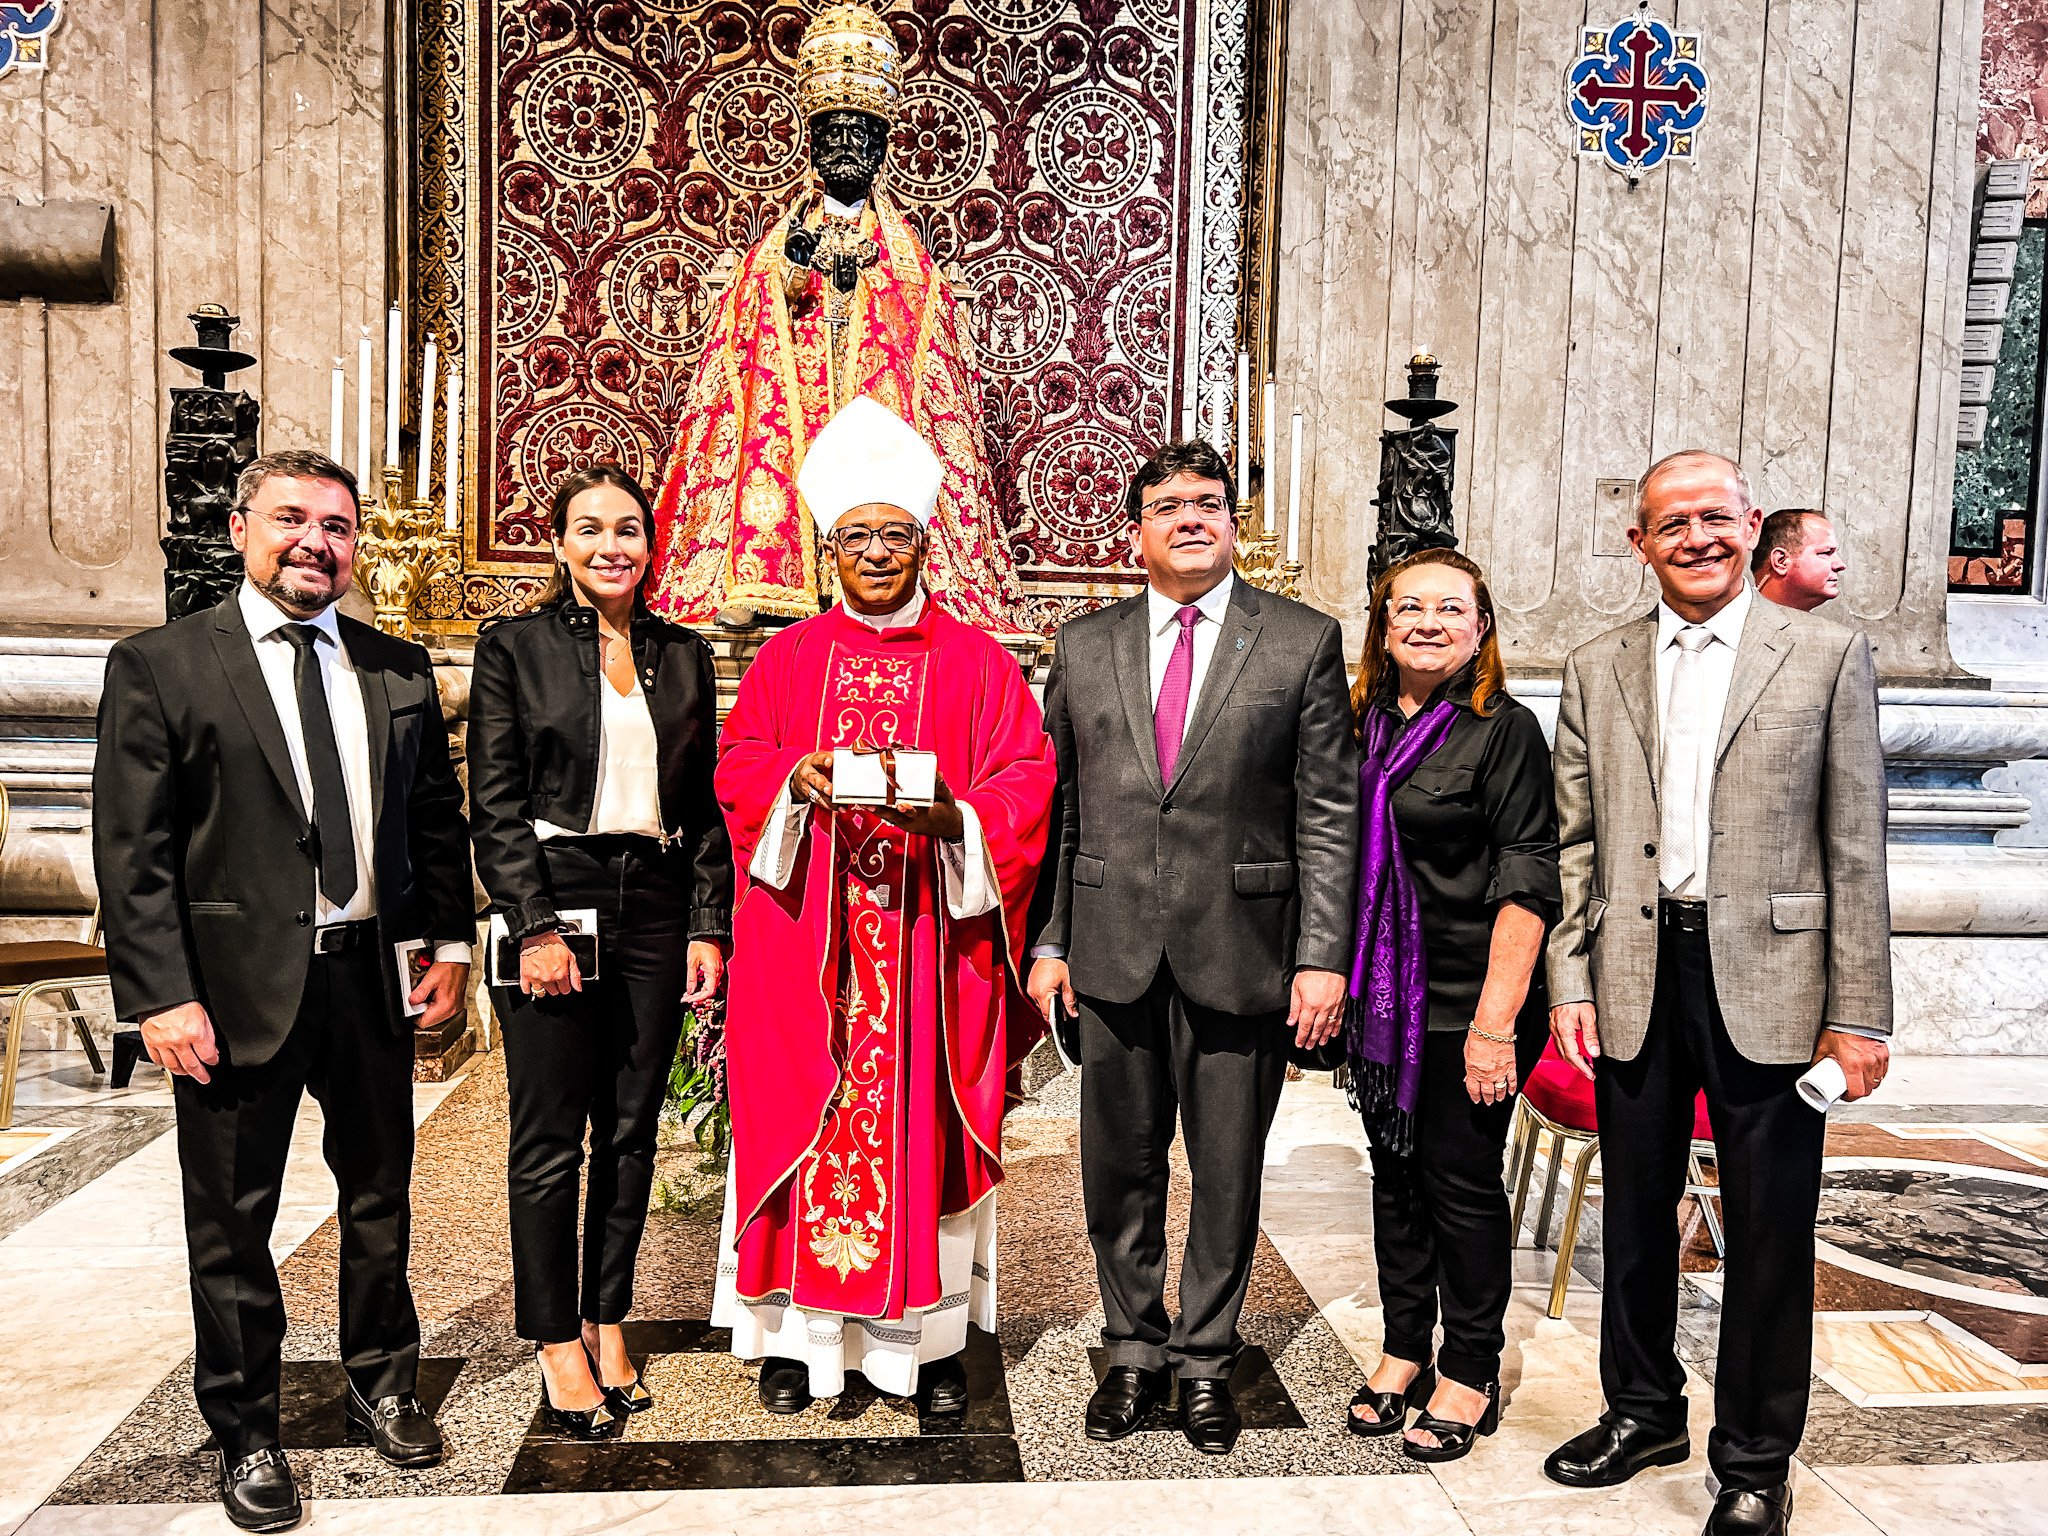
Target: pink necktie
<point>1170,714</point>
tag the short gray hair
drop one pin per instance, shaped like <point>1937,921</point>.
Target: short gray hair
<point>291,464</point>
<point>1690,456</point>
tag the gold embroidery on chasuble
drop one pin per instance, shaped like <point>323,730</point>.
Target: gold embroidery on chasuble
<point>846,1208</point>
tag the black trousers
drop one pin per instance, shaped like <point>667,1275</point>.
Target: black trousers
<point>1441,1224</point>
<point>1768,1148</point>
<point>1143,1064</point>
<point>233,1135</point>
<point>594,1061</point>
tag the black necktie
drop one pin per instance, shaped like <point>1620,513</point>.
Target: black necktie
<point>333,836</point>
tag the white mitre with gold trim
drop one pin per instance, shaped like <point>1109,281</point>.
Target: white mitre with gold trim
<point>867,454</point>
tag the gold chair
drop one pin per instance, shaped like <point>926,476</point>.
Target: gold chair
<point>1567,1116</point>
<point>36,968</point>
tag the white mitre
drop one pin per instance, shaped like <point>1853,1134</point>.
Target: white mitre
<point>868,454</point>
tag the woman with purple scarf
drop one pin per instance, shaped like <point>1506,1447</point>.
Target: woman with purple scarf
<point>1457,885</point>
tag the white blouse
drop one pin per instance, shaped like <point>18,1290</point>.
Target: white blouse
<point>628,797</point>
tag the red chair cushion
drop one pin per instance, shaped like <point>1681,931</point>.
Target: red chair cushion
<point>1566,1099</point>
<point>1562,1096</point>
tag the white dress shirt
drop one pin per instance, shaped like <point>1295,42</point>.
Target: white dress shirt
<point>1162,613</point>
<point>1714,671</point>
<point>628,793</point>
<point>275,655</point>
<point>970,877</point>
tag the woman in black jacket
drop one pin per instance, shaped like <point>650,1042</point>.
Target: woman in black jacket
<point>592,738</point>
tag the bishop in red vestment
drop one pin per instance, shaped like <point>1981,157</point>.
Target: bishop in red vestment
<point>875,1018</point>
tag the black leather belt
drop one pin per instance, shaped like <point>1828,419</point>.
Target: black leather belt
<point>340,938</point>
<point>1685,916</point>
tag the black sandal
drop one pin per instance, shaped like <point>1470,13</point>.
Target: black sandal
<point>1390,1409</point>
<point>1452,1438</point>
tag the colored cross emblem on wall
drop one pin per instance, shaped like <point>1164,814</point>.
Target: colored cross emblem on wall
<point>25,27</point>
<point>1636,94</point>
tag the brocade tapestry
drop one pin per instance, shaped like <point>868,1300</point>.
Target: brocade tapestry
<point>1045,150</point>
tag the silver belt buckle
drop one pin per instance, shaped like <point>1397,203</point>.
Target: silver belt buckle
<point>325,940</point>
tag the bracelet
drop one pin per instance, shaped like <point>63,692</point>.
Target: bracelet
<point>1487,1034</point>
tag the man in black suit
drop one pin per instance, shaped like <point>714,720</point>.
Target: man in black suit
<point>275,811</point>
<point>1196,908</point>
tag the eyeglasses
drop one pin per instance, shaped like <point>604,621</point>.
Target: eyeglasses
<point>897,538</point>
<point>1172,506</point>
<point>293,525</point>
<point>1409,614</point>
<point>1716,524</point>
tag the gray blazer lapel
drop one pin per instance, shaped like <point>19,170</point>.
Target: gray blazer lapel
<point>1762,651</point>
<point>1130,653</point>
<point>1635,673</point>
<point>237,654</point>
<point>1240,631</point>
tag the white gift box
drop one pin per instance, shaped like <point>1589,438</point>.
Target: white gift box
<point>858,778</point>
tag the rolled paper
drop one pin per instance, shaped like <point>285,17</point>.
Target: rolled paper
<point>363,417</point>
<point>394,350</point>
<point>1269,512</point>
<point>1822,1085</point>
<point>1244,422</point>
<point>451,460</point>
<point>421,481</point>
<point>337,404</point>
<point>1294,498</point>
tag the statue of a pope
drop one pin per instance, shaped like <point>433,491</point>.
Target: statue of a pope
<point>840,300</point>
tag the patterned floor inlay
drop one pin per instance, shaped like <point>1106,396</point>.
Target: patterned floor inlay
<point>709,1430</point>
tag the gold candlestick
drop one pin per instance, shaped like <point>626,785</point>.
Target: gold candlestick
<point>402,547</point>
<point>1258,552</point>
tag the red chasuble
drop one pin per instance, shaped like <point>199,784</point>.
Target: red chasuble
<point>872,1040</point>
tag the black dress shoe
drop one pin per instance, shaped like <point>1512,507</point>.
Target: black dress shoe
<point>258,1492</point>
<point>785,1385</point>
<point>1768,1513</point>
<point>597,1423</point>
<point>624,1401</point>
<point>948,1381</point>
<point>1613,1451</point>
<point>1208,1415</point>
<point>1126,1395</point>
<point>404,1433</point>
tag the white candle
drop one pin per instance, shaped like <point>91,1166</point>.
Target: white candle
<point>1294,498</point>
<point>394,352</point>
<point>1187,419</point>
<point>1269,474</point>
<point>1244,423</point>
<point>427,369</point>
<point>337,397</point>
<point>1219,418</point>
<point>451,460</point>
<point>363,417</point>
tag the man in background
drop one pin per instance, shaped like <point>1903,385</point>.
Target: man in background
<point>1798,559</point>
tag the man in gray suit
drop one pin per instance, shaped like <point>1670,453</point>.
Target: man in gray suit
<point>1721,816</point>
<point>1196,907</point>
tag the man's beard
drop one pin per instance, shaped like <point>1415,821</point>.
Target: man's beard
<point>274,587</point>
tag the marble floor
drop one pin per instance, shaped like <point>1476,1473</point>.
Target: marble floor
<point>1930,1407</point>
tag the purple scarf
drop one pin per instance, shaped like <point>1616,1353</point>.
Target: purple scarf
<point>1387,1011</point>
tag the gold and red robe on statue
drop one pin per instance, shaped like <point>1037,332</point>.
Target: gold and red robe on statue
<point>872,1032</point>
<point>729,525</point>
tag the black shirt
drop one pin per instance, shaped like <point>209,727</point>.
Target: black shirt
<point>1478,827</point>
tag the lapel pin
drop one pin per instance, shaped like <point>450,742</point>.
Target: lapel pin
<point>1240,642</point>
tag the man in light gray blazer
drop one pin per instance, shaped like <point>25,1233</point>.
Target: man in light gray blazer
<point>1196,906</point>
<point>1721,817</point>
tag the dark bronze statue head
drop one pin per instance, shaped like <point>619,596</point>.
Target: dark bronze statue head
<point>847,150</point>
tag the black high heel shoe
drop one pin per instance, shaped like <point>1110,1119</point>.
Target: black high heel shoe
<point>632,1398</point>
<point>598,1423</point>
<point>1390,1409</point>
<point>1452,1438</point>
